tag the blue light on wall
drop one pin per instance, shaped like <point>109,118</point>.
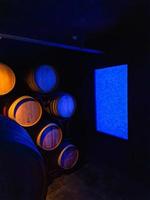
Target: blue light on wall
<point>111,96</point>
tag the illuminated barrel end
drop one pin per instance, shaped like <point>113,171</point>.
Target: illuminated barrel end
<point>26,111</point>
<point>7,79</point>
<point>66,106</point>
<point>50,137</point>
<point>68,157</point>
<point>45,78</point>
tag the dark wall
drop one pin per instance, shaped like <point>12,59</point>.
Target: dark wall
<point>102,149</point>
<point>129,43</point>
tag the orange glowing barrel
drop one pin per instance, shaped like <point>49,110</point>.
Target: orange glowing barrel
<point>22,168</point>
<point>7,79</point>
<point>49,137</point>
<point>43,79</point>
<point>68,156</point>
<point>25,110</point>
<point>62,106</point>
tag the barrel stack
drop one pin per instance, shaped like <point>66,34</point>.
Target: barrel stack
<point>43,113</point>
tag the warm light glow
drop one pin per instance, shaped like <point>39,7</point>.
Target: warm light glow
<point>7,79</point>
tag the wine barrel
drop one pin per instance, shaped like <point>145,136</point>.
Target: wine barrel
<point>68,156</point>
<point>7,79</point>
<point>22,169</point>
<point>25,110</point>
<point>61,106</point>
<point>43,79</point>
<point>49,137</point>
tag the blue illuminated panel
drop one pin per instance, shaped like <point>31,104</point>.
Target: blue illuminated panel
<point>111,97</point>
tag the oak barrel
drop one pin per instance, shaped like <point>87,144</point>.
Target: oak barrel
<point>65,157</point>
<point>68,156</point>
<point>25,110</point>
<point>7,79</point>
<point>49,137</point>
<point>62,105</point>
<point>42,79</point>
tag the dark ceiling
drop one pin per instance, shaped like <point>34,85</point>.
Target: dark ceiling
<point>93,23</point>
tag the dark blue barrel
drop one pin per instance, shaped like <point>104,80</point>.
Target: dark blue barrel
<point>22,169</point>
<point>42,79</point>
<point>62,105</point>
<point>68,156</point>
<point>64,158</point>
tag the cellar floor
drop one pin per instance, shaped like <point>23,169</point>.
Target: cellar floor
<point>97,183</point>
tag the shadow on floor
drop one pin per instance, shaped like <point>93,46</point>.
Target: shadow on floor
<point>95,183</point>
